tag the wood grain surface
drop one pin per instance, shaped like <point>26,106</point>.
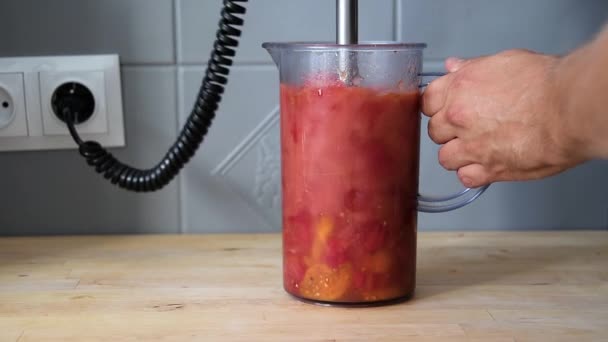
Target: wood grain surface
<point>482,286</point>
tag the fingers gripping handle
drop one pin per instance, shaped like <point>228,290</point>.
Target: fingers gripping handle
<point>439,204</point>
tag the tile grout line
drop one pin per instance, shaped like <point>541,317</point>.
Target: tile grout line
<point>183,229</point>
<point>177,33</point>
<point>260,65</point>
<point>234,64</point>
<point>395,27</point>
<point>200,65</point>
<point>398,20</point>
<point>180,182</point>
<point>178,106</point>
<point>146,64</point>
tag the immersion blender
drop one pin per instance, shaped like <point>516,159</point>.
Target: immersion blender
<point>347,33</point>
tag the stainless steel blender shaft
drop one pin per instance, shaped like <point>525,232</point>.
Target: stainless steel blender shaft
<point>347,26</point>
<point>347,33</point>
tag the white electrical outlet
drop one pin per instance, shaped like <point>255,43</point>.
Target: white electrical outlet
<point>29,83</point>
<point>13,121</point>
<point>7,107</point>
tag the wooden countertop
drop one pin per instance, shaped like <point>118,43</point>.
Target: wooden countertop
<point>533,286</point>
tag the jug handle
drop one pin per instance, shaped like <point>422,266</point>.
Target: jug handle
<point>439,204</point>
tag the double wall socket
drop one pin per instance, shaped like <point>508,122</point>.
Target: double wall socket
<point>27,86</point>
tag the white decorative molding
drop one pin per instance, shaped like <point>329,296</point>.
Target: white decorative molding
<point>262,190</point>
<point>247,144</point>
<point>267,186</point>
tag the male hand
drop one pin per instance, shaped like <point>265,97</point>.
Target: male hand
<point>499,118</point>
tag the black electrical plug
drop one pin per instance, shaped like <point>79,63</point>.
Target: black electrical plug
<point>73,98</point>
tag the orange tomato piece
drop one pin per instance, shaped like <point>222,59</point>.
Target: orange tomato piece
<point>322,232</point>
<point>379,262</point>
<point>324,283</point>
<point>324,228</point>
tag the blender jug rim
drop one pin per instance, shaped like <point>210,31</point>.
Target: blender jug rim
<point>330,46</point>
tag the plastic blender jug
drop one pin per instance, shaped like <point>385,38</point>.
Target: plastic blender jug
<point>350,142</point>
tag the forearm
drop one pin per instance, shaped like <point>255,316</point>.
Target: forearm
<point>582,79</point>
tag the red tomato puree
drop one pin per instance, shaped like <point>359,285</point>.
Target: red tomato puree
<point>350,181</point>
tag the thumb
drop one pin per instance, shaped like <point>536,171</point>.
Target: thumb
<point>452,64</point>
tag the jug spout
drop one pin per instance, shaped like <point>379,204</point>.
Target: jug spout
<point>274,52</point>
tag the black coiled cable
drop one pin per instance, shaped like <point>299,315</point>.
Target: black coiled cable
<point>194,130</point>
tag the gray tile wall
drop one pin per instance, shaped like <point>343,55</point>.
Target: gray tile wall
<point>233,183</point>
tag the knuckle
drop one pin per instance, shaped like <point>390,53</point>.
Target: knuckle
<point>476,150</point>
<point>471,147</point>
<point>457,116</point>
<point>462,80</point>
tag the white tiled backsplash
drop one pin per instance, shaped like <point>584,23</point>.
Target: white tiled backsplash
<point>232,183</point>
